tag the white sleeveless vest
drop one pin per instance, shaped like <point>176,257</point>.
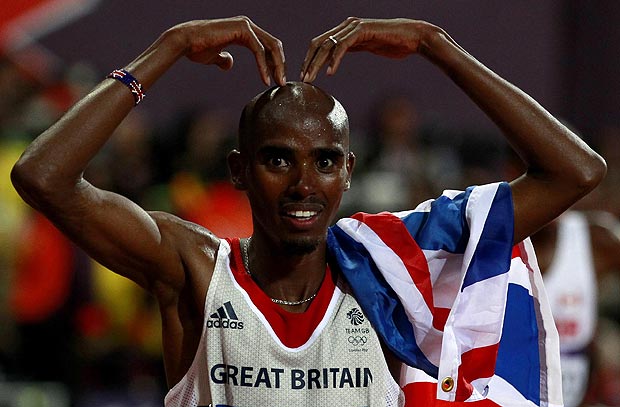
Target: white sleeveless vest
<point>570,283</point>
<point>242,362</point>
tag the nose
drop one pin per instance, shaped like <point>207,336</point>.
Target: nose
<point>303,181</point>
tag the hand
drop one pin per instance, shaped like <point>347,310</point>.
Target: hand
<point>396,38</point>
<point>204,41</point>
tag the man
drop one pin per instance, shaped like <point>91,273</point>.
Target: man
<point>577,252</point>
<point>293,161</point>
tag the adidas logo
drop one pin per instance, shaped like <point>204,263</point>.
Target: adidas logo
<point>224,317</point>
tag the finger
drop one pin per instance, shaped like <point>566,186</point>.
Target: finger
<point>317,43</point>
<point>274,54</point>
<point>346,42</point>
<point>331,43</point>
<point>321,56</point>
<point>255,45</point>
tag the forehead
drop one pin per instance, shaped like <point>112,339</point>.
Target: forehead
<point>299,114</point>
<point>300,126</point>
<point>315,128</point>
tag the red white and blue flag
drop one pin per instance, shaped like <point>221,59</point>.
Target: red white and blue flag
<point>452,297</point>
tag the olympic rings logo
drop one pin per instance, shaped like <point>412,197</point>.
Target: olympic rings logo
<point>357,340</point>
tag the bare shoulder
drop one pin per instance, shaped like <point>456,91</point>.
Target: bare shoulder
<point>196,248</point>
<point>171,226</point>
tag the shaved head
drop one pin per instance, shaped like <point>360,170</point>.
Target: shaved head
<point>296,104</point>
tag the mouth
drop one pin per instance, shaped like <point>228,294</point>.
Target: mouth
<point>301,215</point>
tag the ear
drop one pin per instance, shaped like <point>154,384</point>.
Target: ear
<point>236,166</point>
<point>350,166</point>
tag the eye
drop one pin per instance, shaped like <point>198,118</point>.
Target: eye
<point>278,162</point>
<point>324,163</point>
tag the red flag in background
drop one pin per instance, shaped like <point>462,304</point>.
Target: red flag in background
<point>23,22</point>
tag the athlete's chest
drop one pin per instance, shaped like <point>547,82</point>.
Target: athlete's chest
<point>245,348</point>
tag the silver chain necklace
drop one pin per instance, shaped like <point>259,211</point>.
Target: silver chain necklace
<point>245,243</point>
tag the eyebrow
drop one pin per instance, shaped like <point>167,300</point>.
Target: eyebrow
<point>288,151</point>
<point>330,151</point>
<point>274,150</point>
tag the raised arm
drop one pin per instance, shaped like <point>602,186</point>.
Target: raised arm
<point>561,168</point>
<point>112,229</point>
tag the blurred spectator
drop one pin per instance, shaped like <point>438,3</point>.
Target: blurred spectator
<point>576,253</point>
<point>396,147</point>
<point>198,186</point>
<point>482,155</point>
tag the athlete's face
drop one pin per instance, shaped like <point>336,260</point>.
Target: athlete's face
<point>298,167</point>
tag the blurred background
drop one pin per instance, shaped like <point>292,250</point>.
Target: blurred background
<point>74,334</point>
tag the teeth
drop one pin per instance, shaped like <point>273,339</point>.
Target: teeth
<point>302,214</point>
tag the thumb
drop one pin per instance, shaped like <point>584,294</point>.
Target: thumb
<point>224,60</point>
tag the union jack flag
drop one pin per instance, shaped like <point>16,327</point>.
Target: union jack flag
<point>452,297</point>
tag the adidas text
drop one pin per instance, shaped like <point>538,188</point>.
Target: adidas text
<point>224,323</point>
<point>225,317</point>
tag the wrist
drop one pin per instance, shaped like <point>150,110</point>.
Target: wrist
<point>176,40</point>
<point>432,39</point>
<point>439,48</point>
<point>157,58</point>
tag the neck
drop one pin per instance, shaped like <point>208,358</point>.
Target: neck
<point>285,276</point>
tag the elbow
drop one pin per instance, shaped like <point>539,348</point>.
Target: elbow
<point>591,173</point>
<point>31,182</point>
<point>25,182</point>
